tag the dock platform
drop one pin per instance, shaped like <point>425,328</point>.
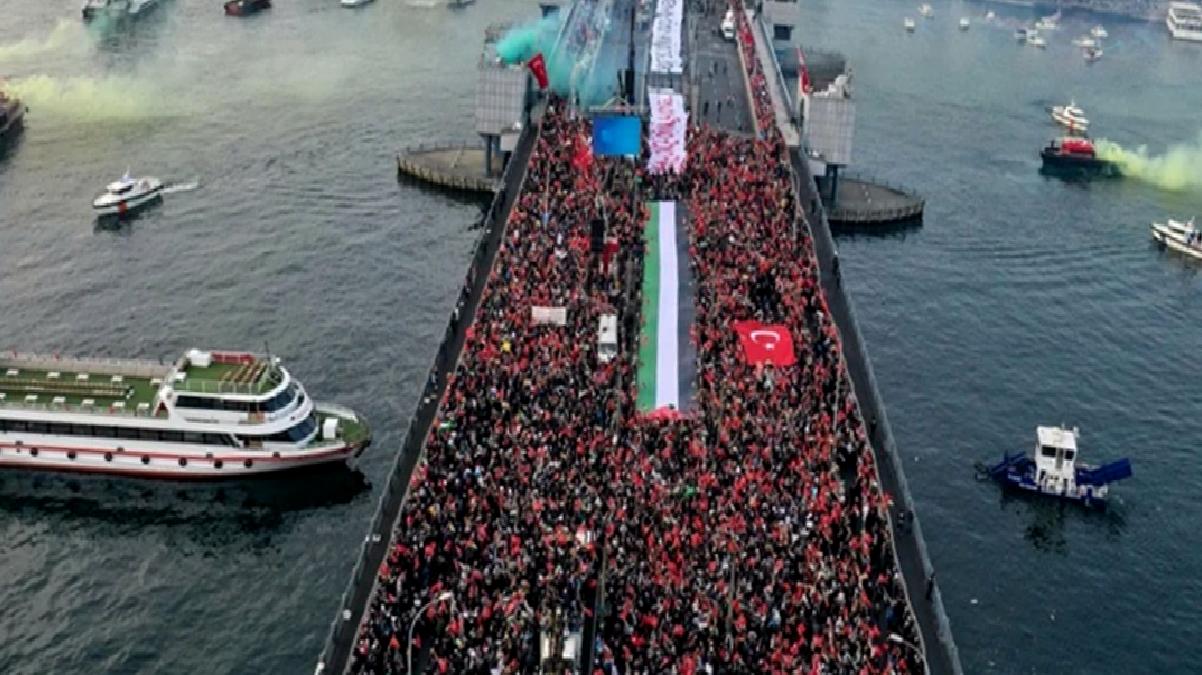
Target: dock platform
<point>454,166</point>
<point>862,202</point>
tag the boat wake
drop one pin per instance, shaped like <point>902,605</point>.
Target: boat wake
<point>172,188</point>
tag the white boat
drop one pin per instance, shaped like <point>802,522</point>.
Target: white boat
<point>990,16</point>
<point>1184,21</point>
<point>208,415</point>
<point>127,195</point>
<point>1084,41</point>
<point>1053,470</point>
<point>1092,54</point>
<point>964,23</point>
<point>1181,237</point>
<point>1049,22</point>
<point>1070,117</point>
<point>94,8</point>
<point>1098,32</point>
<point>909,24</point>
<point>354,3</point>
<point>138,6</point>
<point>1021,34</point>
<point>1035,40</point>
<point>925,10</point>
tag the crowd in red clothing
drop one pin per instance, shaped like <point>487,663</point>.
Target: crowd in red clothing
<point>501,514</point>
<point>749,537</point>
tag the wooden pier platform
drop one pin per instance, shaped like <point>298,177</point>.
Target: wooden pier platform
<point>862,202</point>
<point>454,166</point>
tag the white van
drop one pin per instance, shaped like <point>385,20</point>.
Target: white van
<point>728,25</point>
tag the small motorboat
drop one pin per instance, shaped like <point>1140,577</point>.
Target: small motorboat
<point>1070,117</point>
<point>354,3</point>
<point>1092,54</point>
<point>1053,469</point>
<point>1021,34</point>
<point>964,23</point>
<point>1035,40</point>
<point>990,16</point>
<point>127,195</point>
<point>1049,22</point>
<point>909,24</point>
<point>926,10</point>
<point>245,7</point>
<point>1181,237</point>
<point>1098,32</point>
<point>1076,155</point>
<point>1084,41</point>
<point>456,4</point>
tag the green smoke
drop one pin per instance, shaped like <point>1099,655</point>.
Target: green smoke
<point>1179,168</point>
<point>522,42</point>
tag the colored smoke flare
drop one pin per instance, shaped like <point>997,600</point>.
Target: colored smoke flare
<point>67,35</point>
<point>1179,168</point>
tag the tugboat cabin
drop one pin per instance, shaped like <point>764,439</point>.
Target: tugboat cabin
<point>1055,460</point>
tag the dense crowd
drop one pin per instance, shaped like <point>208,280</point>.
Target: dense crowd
<point>501,513</point>
<point>748,537</point>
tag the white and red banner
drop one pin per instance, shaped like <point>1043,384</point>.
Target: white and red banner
<point>666,134</point>
<point>666,37</point>
<point>766,343</point>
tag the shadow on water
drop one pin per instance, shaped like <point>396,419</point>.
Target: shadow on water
<point>895,230</point>
<point>1047,519</point>
<point>212,513</point>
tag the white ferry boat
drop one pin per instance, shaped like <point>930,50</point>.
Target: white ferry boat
<point>1070,117</point>
<point>1181,237</point>
<point>209,415</point>
<point>1184,21</point>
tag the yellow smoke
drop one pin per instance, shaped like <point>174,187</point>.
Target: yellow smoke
<point>65,35</point>
<point>95,98</point>
<point>1179,168</point>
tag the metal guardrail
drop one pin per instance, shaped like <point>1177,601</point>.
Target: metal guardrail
<point>98,366</point>
<point>362,586</point>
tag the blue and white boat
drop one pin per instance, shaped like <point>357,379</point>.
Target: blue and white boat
<point>1054,470</point>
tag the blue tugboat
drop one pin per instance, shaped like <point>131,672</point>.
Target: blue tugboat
<point>1054,470</point>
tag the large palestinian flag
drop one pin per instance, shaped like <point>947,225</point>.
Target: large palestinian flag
<point>667,362</point>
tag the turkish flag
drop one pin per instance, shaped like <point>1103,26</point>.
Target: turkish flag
<point>766,344</point>
<point>538,66</point>
<point>806,87</point>
<point>582,157</point>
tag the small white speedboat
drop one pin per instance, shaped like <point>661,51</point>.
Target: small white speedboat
<point>925,10</point>
<point>964,23</point>
<point>127,195</point>
<point>1070,117</point>
<point>909,24</point>
<point>1098,32</point>
<point>1049,22</point>
<point>1181,237</point>
<point>1034,39</point>
<point>1092,54</point>
<point>1084,41</point>
<point>990,16</point>
<point>354,3</point>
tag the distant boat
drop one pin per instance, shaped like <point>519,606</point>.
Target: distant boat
<point>245,7</point>
<point>460,3</point>
<point>925,10</point>
<point>1184,21</point>
<point>909,24</point>
<point>990,16</point>
<point>1099,32</point>
<point>964,23</point>
<point>1049,22</point>
<point>124,196</point>
<point>1181,237</point>
<point>1035,40</point>
<point>354,3</point>
<point>94,8</point>
<point>1084,41</point>
<point>1070,117</point>
<point>1092,54</point>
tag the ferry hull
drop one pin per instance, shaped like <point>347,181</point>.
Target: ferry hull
<point>1172,240</point>
<point>1091,166</point>
<point>203,463</point>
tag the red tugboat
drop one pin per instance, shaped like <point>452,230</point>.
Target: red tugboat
<point>1076,155</point>
<point>245,7</point>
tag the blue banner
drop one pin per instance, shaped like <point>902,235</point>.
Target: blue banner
<point>617,135</point>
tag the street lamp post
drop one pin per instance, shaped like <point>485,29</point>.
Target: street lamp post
<point>442,597</point>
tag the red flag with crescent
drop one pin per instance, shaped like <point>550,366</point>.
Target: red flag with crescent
<point>538,66</point>
<point>766,343</point>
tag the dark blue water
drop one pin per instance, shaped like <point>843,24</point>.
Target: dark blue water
<point>299,237</point>
<point>1025,300</point>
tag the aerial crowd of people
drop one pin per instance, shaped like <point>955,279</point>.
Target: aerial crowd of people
<point>748,536</point>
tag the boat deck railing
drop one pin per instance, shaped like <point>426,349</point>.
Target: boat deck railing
<point>74,364</point>
<point>98,410</point>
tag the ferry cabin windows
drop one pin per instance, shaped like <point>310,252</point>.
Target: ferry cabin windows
<point>293,434</point>
<point>105,431</point>
<point>1048,452</point>
<point>277,402</point>
<point>1068,455</point>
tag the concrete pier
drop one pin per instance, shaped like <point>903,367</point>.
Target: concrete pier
<point>454,166</point>
<point>863,203</point>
